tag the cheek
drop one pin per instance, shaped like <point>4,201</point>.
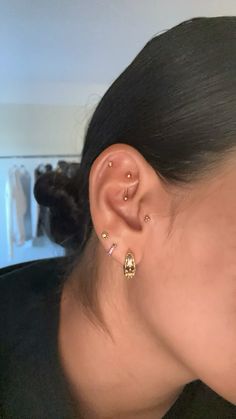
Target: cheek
<point>201,309</point>
<point>195,302</point>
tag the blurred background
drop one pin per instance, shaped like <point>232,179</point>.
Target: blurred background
<point>57,59</point>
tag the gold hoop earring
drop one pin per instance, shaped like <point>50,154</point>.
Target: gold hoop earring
<point>129,266</point>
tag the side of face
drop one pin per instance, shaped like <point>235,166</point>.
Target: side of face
<point>189,294</point>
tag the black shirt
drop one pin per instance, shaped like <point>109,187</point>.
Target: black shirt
<point>32,383</point>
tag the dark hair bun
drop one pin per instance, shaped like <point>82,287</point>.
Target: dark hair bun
<point>60,194</point>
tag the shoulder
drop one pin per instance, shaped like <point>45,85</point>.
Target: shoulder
<point>23,293</point>
<point>30,374</point>
<point>198,401</point>
<point>35,278</point>
<point>30,273</point>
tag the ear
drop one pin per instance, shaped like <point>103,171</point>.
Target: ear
<point>123,219</point>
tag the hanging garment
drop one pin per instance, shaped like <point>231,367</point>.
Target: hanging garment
<point>9,204</point>
<point>43,212</point>
<point>17,186</point>
<point>35,208</point>
<point>25,180</point>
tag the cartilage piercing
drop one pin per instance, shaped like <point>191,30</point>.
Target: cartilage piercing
<point>110,164</point>
<point>147,218</point>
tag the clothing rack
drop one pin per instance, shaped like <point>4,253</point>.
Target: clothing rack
<point>59,156</point>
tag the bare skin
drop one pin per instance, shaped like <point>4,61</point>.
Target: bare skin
<point>175,322</point>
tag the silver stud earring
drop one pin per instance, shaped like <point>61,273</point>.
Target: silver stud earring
<point>147,218</point>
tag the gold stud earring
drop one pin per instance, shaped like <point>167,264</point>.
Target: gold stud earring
<point>129,266</point>
<point>129,175</point>
<point>110,164</point>
<point>147,218</point>
<point>104,235</point>
<point>125,197</point>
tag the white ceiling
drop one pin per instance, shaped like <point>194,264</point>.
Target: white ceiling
<point>69,43</point>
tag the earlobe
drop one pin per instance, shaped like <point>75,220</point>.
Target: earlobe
<point>129,267</point>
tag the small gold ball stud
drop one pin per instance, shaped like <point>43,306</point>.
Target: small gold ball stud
<point>129,175</point>
<point>125,196</point>
<point>110,164</point>
<point>104,235</point>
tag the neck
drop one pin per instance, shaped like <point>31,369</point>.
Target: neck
<point>131,375</point>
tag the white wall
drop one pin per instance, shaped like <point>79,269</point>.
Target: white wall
<point>57,59</point>
<point>86,41</point>
<point>64,55</point>
<point>46,118</point>
<point>41,129</point>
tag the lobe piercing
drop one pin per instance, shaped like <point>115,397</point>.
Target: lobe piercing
<point>111,249</point>
<point>104,235</point>
<point>126,196</point>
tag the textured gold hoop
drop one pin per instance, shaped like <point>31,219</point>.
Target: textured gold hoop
<point>129,265</point>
